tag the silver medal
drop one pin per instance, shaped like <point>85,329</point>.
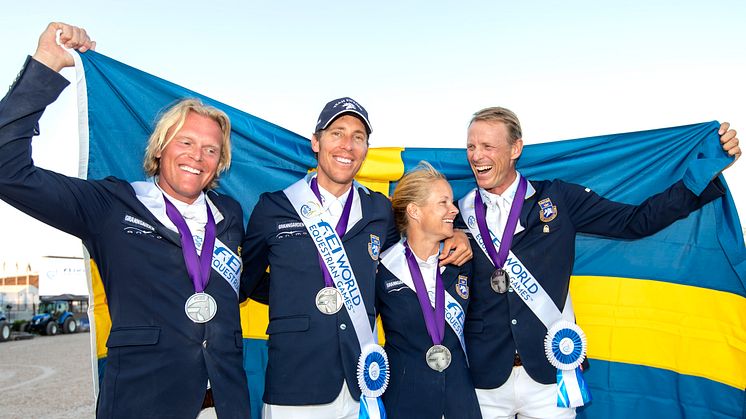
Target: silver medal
<point>499,281</point>
<point>438,357</point>
<point>329,300</point>
<point>201,307</point>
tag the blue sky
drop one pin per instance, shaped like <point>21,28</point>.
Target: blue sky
<point>568,69</point>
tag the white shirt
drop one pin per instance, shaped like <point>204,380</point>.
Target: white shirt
<point>195,214</point>
<point>498,208</point>
<point>428,269</point>
<point>334,206</point>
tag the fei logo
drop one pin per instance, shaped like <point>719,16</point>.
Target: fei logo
<point>310,209</point>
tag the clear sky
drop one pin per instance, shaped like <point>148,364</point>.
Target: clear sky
<point>568,69</point>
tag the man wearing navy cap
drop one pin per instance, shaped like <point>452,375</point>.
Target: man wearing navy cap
<point>321,238</point>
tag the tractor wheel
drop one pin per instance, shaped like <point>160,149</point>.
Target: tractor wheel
<point>52,328</point>
<point>4,331</point>
<point>70,326</point>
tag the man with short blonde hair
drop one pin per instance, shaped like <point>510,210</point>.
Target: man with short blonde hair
<point>522,272</point>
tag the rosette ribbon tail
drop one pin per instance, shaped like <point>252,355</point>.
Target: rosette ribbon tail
<point>371,408</point>
<point>565,346</point>
<point>373,378</point>
<point>572,390</point>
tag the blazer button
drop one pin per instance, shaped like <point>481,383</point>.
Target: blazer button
<point>514,322</point>
<point>204,344</point>
<point>343,326</point>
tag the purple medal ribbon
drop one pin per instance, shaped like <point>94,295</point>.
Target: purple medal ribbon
<point>498,258</point>
<point>435,318</point>
<point>341,227</point>
<point>197,267</point>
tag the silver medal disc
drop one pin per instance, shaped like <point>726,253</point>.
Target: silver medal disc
<point>438,357</point>
<point>201,307</point>
<point>329,300</point>
<point>499,281</point>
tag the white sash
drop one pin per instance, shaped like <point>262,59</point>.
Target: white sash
<point>333,253</point>
<point>396,262</point>
<point>227,264</point>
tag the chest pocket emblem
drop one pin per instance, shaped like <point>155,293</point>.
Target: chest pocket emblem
<point>462,288</point>
<point>374,247</point>
<point>547,210</point>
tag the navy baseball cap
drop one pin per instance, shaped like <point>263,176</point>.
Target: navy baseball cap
<point>339,107</point>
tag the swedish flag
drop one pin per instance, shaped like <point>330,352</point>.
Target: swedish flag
<point>665,316</point>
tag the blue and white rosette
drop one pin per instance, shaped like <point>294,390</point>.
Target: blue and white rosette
<point>565,346</point>
<point>372,378</point>
<point>373,371</point>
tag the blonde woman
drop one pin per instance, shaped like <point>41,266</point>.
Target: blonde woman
<point>423,305</point>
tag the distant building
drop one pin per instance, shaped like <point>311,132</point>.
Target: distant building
<point>19,288</point>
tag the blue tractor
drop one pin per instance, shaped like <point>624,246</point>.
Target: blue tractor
<point>4,327</point>
<point>66,313</point>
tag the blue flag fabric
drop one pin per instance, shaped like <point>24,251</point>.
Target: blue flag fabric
<point>665,316</point>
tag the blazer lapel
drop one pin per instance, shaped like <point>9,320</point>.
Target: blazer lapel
<point>449,276</point>
<point>222,225</point>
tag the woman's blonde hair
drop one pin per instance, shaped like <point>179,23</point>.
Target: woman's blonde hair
<point>413,187</point>
<point>171,121</point>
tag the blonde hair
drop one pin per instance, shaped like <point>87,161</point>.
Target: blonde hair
<point>413,187</point>
<point>171,121</point>
<point>503,115</point>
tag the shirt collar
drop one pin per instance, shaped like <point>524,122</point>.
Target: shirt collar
<point>509,194</point>
<point>327,198</point>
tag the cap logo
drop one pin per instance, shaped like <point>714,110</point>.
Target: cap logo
<point>348,106</point>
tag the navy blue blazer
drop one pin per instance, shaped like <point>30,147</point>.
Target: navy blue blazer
<point>310,353</point>
<point>158,360</point>
<point>415,390</point>
<point>499,324</point>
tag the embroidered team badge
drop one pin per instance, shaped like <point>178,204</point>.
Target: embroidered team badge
<point>547,211</point>
<point>374,247</point>
<point>462,287</point>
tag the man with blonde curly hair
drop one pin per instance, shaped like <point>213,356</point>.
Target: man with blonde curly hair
<point>166,248</point>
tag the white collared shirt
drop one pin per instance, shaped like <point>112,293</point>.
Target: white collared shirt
<point>427,269</point>
<point>195,214</point>
<point>333,207</point>
<point>498,208</point>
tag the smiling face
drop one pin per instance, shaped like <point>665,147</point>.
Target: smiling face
<point>341,150</point>
<point>433,217</point>
<point>491,155</point>
<point>189,162</point>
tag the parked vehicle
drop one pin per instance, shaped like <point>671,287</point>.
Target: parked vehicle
<point>64,313</point>
<point>4,327</point>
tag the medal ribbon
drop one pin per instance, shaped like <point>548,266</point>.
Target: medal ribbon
<point>197,267</point>
<point>341,227</point>
<point>498,257</point>
<point>435,319</point>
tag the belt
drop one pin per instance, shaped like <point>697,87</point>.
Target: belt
<point>208,401</point>
<point>517,360</point>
